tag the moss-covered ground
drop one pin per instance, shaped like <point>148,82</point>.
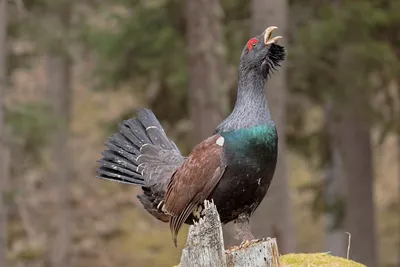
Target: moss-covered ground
<point>316,259</point>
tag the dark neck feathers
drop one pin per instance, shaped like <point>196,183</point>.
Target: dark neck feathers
<point>251,106</point>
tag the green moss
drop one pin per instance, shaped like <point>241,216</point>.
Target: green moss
<point>317,259</point>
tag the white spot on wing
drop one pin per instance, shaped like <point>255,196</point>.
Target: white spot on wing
<point>220,141</point>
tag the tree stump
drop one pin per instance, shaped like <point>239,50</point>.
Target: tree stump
<point>205,246</point>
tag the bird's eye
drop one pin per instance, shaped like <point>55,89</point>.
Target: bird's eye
<point>252,43</point>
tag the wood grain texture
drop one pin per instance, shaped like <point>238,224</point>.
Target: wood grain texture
<point>259,253</point>
<point>205,246</point>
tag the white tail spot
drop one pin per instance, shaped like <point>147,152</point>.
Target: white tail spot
<point>220,141</point>
<point>140,165</point>
<point>143,147</point>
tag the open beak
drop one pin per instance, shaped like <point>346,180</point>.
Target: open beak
<point>267,36</point>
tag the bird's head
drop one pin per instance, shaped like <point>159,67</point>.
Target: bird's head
<point>262,53</point>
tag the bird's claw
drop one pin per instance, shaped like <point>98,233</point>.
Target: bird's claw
<point>245,243</point>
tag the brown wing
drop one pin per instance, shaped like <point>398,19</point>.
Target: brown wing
<point>193,182</point>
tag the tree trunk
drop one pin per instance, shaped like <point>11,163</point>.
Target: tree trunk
<point>206,55</point>
<point>398,193</point>
<point>354,146</point>
<point>334,192</point>
<point>4,151</point>
<point>58,73</point>
<point>353,143</point>
<point>335,236</point>
<point>274,217</point>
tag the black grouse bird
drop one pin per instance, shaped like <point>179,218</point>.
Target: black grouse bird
<point>233,167</point>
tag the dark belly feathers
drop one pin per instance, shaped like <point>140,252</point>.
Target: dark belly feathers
<point>241,190</point>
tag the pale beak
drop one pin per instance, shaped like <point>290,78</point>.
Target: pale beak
<point>267,36</point>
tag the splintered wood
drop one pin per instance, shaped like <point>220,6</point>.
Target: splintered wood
<point>205,246</point>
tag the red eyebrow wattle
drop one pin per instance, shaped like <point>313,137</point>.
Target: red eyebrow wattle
<point>251,42</point>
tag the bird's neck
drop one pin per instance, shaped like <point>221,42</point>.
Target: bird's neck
<point>251,108</point>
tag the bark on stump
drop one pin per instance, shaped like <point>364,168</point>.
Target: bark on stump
<point>205,246</point>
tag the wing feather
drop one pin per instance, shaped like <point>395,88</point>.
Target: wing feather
<point>193,182</point>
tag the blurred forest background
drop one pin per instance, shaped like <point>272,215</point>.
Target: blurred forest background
<point>71,70</point>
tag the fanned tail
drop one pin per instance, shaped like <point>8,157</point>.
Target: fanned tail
<point>141,154</point>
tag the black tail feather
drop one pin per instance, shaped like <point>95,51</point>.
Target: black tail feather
<point>113,171</point>
<point>154,130</point>
<point>122,142</point>
<point>137,133</point>
<point>112,156</point>
<point>140,153</point>
<point>120,153</point>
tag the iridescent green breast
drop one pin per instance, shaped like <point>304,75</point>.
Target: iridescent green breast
<point>258,143</point>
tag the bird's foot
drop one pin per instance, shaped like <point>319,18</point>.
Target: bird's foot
<point>247,238</point>
<point>243,232</point>
<point>245,243</point>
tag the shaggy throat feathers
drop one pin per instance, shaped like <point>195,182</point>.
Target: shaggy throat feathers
<point>260,57</point>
